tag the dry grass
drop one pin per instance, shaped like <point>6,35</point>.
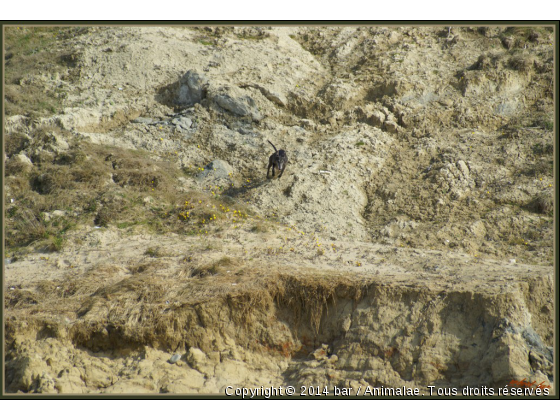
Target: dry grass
<point>213,268</point>
<point>102,186</point>
<point>260,227</point>
<point>144,307</point>
<point>93,184</point>
<point>522,62</point>
<point>16,168</point>
<point>154,252</point>
<point>528,34</point>
<point>15,142</point>
<point>29,51</point>
<point>310,295</point>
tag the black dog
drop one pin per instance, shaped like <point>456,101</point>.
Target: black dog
<point>277,160</point>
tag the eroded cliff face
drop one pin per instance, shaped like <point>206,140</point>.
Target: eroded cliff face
<point>300,329</point>
<point>408,243</point>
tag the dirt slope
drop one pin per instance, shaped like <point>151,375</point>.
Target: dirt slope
<point>408,243</point>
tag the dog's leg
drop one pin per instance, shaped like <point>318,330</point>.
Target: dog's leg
<point>270,164</point>
<point>284,164</point>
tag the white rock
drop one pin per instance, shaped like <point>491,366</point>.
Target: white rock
<point>463,168</point>
<point>22,158</point>
<point>175,358</point>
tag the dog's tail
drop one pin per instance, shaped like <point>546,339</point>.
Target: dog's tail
<point>273,146</point>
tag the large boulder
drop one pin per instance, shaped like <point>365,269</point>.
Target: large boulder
<point>217,172</point>
<point>192,89</point>
<point>233,100</point>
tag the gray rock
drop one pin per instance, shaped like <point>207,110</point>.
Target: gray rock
<point>227,99</point>
<point>275,97</point>
<point>192,88</point>
<point>217,169</point>
<point>245,132</point>
<point>535,342</point>
<point>183,123</point>
<point>143,120</point>
<point>58,213</point>
<point>175,358</point>
<point>506,108</point>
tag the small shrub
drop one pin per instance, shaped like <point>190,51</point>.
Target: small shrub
<point>103,218</point>
<point>154,252</point>
<point>15,143</point>
<point>522,63</point>
<point>259,228</point>
<point>542,149</point>
<point>16,167</point>
<point>545,123</point>
<point>51,181</point>
<point>516,241</point>
<point>543,204</point>
<point>55,243</point>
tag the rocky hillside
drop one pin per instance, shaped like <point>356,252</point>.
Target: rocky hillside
<point>409,241</point>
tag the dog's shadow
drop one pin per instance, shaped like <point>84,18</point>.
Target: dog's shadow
<point>245,188</point>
